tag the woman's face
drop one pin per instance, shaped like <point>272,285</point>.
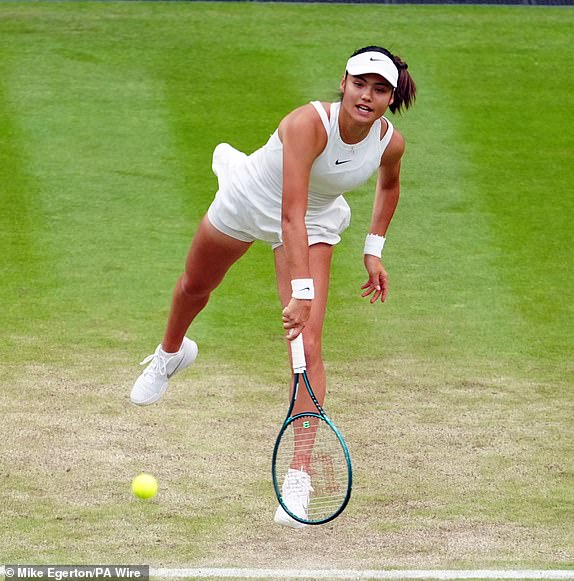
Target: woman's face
<point>366,97</point>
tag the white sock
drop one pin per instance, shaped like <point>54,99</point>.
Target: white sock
<point>166,354</point>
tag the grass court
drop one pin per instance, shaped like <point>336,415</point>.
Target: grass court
<point>455,397</point>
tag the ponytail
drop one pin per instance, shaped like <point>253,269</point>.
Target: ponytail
<point>406,91</point>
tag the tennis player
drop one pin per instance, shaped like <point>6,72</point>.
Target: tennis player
<point>289,193</point>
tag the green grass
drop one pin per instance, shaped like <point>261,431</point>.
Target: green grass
<point>456,396</point>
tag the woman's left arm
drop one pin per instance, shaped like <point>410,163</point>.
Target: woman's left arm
<point>386,200</point>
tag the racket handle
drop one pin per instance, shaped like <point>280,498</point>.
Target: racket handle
<point>298,354</point>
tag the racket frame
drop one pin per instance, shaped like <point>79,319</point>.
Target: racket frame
<point>300,371</point>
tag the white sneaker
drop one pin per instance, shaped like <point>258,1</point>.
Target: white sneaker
<point>296,492</point>
<point>152,383</point>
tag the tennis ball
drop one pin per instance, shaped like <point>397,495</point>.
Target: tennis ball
<point>144,486</point>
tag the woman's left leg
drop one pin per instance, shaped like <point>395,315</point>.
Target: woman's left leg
<point>320,256</point>
<point>296,489</point>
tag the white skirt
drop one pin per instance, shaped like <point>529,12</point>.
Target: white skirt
<point>243,210</point>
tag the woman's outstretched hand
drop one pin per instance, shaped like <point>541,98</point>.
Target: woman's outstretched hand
<point>295,315</point>
<point>378,283</point>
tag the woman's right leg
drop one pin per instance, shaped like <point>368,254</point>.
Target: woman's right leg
<point>211,255</point>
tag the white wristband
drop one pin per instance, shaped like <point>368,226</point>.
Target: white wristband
<point>374,245</point>
<point>303,288</point>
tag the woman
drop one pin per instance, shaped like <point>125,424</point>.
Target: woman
<point>289,194</point>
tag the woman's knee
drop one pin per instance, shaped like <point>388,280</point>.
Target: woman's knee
<point>312,343</point>
<point>195,286</point>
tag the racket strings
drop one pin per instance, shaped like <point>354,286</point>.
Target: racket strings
<point>309,446</point>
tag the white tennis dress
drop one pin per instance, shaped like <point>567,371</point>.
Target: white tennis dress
<point>247,205</point>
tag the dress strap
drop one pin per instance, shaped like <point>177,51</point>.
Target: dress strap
<point>388,134</point>
<point>323,114</point>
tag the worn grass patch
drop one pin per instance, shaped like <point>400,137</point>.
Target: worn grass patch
<point>469,473</point>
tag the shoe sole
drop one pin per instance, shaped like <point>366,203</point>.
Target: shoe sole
<point>283,519</point>
<point>154,398</point>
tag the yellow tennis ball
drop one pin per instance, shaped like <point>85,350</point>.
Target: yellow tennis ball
<point>144,486</point>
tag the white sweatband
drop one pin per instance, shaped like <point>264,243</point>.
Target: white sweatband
<point>303,288</point>
<point>374,245</point>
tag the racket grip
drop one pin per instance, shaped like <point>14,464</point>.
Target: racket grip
<point>298,354</point>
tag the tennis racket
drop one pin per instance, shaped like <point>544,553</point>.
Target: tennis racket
<point>312,473</point>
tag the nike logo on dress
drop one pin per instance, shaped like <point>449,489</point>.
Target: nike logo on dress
<point>378,60</point>
<point>344,161</point>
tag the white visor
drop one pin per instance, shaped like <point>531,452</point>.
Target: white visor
<point>373,62</point>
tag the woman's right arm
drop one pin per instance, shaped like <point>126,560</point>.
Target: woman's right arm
<point>303,138</point>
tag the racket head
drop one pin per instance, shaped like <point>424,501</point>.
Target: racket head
<point>311,442</point>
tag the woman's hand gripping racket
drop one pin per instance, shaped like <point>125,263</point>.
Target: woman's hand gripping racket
<point>312,472</point>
